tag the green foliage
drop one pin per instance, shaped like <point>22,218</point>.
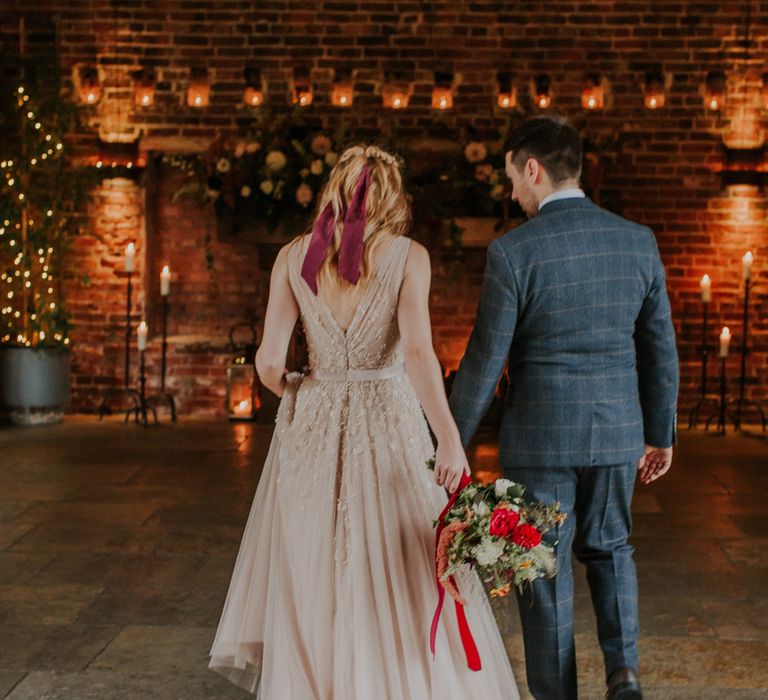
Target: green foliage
<point>41,200</point>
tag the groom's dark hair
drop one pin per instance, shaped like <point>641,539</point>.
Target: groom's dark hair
<point>550,140</point>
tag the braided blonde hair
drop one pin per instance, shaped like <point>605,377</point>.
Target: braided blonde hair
<point>386,206</point>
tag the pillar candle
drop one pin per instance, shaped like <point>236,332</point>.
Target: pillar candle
<point>747,263</point>
<point>142,335</point>
<point>130,253</point>
<point>725,341</point>
<point>165,281</point>
<point>706,289</point>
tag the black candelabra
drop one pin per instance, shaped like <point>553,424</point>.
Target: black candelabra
<point>703,399</point>
<point>126,390</point>
<point>742,401</point>
<point>723,413</point>
<point>140,411</point>
<point>163,396</point>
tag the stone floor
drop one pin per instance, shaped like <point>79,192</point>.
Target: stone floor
<point>117,543</point>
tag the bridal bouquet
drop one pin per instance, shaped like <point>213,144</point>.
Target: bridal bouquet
<point>496,530</point>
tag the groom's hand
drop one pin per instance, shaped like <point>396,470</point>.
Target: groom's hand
<point>654,463</point>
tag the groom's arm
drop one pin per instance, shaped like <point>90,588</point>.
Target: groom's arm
<point>657,362</point>
<point>488,348</point>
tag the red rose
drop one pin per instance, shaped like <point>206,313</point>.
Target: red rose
<point>503,522</point>
<point>527,536</point>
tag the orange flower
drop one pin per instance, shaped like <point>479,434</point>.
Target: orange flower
<point>501,591</point>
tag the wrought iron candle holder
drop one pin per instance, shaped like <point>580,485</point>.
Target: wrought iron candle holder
<point>125,390</point>
<point>723,413</point>
<point>693,418</point>
<point>140,411</point>
<point>742,401</point>
<point>164,397</point>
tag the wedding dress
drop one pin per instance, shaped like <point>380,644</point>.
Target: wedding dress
<point>333,589</point>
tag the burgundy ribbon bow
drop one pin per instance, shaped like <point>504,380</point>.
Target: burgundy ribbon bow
<point>352,237</point>
<point>467,640</point>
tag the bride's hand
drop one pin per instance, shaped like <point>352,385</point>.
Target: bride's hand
<point>450,464</point>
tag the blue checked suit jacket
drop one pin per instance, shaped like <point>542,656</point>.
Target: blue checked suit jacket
<point>575,301</point>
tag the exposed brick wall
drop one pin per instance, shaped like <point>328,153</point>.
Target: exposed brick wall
<point>659,164</point>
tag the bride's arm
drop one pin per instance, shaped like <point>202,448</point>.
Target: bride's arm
<point>279,321</point>
<point>423,367</point>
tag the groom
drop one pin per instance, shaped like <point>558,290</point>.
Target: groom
<point>575,302</point>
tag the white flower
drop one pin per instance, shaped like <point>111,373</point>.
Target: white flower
<point>252,147</point>
<point>245,191</point>
<point>487,553</point>
<point>475,151</point>
<point>223,165</point>
<point>502,485</point>
<point>317,167</point>
<point>276,160</point>
<point>482,510</point>
<point>267,187</point>
<point>497,192</point>
<point>304,172</point>
<point>331,158</point>
<point>304,194</point>
<point>321,144</point>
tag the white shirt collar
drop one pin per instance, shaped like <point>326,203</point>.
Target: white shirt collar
<point>568,193</point>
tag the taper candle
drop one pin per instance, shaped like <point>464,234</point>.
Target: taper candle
<point>141,332</point>
<point>165,281</point>
<point>725,341</point>
<point>706,289</point>
<point>130,253</point>
<point>746,261</point>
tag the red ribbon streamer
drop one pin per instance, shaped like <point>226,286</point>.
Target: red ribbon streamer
<point>468,642</point>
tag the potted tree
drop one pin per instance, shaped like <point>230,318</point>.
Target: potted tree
<point>39,196</point>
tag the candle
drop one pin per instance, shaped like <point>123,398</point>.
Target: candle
<point>747,262</point>
<point>130,253</point>
<point>141,332</point>
<point>706,289</point>
<point>243,408</point>
<point>725,341</point>
<point>165,281</point>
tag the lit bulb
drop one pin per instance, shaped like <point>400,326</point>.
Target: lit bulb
<point>38,125</point>
<point>443,103</point>
<point>21,90</point>
<point>91,98</point>
<point>397,102</point>
<point>145,100</point>
<point>714,104</point>
<point>21,197</point>
<point>48,137</point>
<point>30,115</point>
<point>198,100</point>
<point>653,103</point>
<point>11,180</point>
<point>33,161</point>
<point>49,212</point>
<point>343,99</point>
<point>505,102</point>
<point>59,146</point>
<point>592,103</point>
<point>42,335</point>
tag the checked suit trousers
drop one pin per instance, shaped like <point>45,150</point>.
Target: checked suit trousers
<point>597,500</point>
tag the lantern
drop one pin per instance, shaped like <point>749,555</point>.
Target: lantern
<point>90,88</point>
<point>253,95</point>
<point>507,93</point>
<point>714,91</point>
<point>542,92</point>
<point>393,97</point>
<point>243,399</point>
<point>199,88</point>
<point>342,95</point>
<point>593,94</point>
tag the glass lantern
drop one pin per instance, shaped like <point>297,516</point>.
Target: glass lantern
<point>243,400</point>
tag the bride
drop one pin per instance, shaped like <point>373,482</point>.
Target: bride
<point>333,589</point>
